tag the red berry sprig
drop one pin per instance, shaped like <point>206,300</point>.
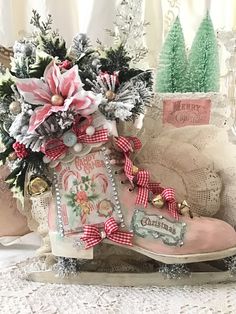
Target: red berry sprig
<point>20,150</point>
<point>66,64</point>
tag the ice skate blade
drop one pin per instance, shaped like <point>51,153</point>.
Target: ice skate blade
<point>132,279</point>
<point>180,259</point>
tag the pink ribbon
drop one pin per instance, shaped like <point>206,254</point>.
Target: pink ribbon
<point>93,236</point>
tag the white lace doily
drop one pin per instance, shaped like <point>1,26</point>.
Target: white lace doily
<point>182,166</point>
<point>18,296</point>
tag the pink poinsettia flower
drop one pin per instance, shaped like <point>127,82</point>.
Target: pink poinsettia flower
<point>56,92</point>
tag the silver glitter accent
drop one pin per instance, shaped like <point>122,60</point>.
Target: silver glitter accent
<point>115,193</point>
<point>230,263</point>
<point>79,244</point>
<point>58,205</point>
<point>174,271</point>
<point>66,267</point>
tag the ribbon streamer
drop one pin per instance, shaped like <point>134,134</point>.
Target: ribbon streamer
<point>142,182</point>
<point>125,145</point>
<point>168,195</point>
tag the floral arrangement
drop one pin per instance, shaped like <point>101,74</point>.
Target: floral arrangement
<point>52,98</point>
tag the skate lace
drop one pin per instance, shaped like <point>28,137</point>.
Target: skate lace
<point>140,179</point>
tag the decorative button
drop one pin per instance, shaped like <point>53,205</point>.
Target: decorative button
<point>103,234</point>
<point>90,130</point>
<point>69,139</point>
<point>77,147</point>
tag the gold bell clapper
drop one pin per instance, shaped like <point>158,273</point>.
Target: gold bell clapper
<point>158,201</point>
<point>37,186</point>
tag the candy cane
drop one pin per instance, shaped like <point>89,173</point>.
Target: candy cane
<point>103,179</point>
<point>67,176</point>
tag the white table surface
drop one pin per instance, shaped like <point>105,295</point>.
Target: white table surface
<point>18,249</point>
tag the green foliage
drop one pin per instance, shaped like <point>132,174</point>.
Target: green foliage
<point>4,155</point>
<point>20,67</point>
<point>86,68</point>
<point>204,60</point>
<point>81,45</point>
<point>116,59</point>
<point>41,62</point>
<point>47,40</point>
<point>5,89</point>
<point>54,46</point>
<point>143,85</point>
<point>7,141</point>
<point>71,201</point>
<point>43,27</point>
<point>128,74</point>
<point>171,73</point>
<point>16,178</point>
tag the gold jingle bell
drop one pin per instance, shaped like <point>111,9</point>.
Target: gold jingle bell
<point>57,100</point>
<point>110,95</point>
<point>135,170</point>
<point>183,205</point>
<point>184,209</point>
<point>37,186</point>
<point>158,201</point>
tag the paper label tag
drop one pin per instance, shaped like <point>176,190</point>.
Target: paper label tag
<point>158,227</point>
<point>85,192</point>
<point>183,112</point>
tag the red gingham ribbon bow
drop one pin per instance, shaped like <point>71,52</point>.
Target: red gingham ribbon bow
<point>168,195</point>
<point>92,236</point>
<point>79,129</point>
<point>55,148</point>
<point>142,182</point>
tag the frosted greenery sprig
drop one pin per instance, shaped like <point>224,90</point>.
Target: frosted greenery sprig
<point>130,29</point>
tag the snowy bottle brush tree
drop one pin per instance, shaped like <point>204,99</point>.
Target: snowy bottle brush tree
<point>204,60</point>
<point>172,69</point>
